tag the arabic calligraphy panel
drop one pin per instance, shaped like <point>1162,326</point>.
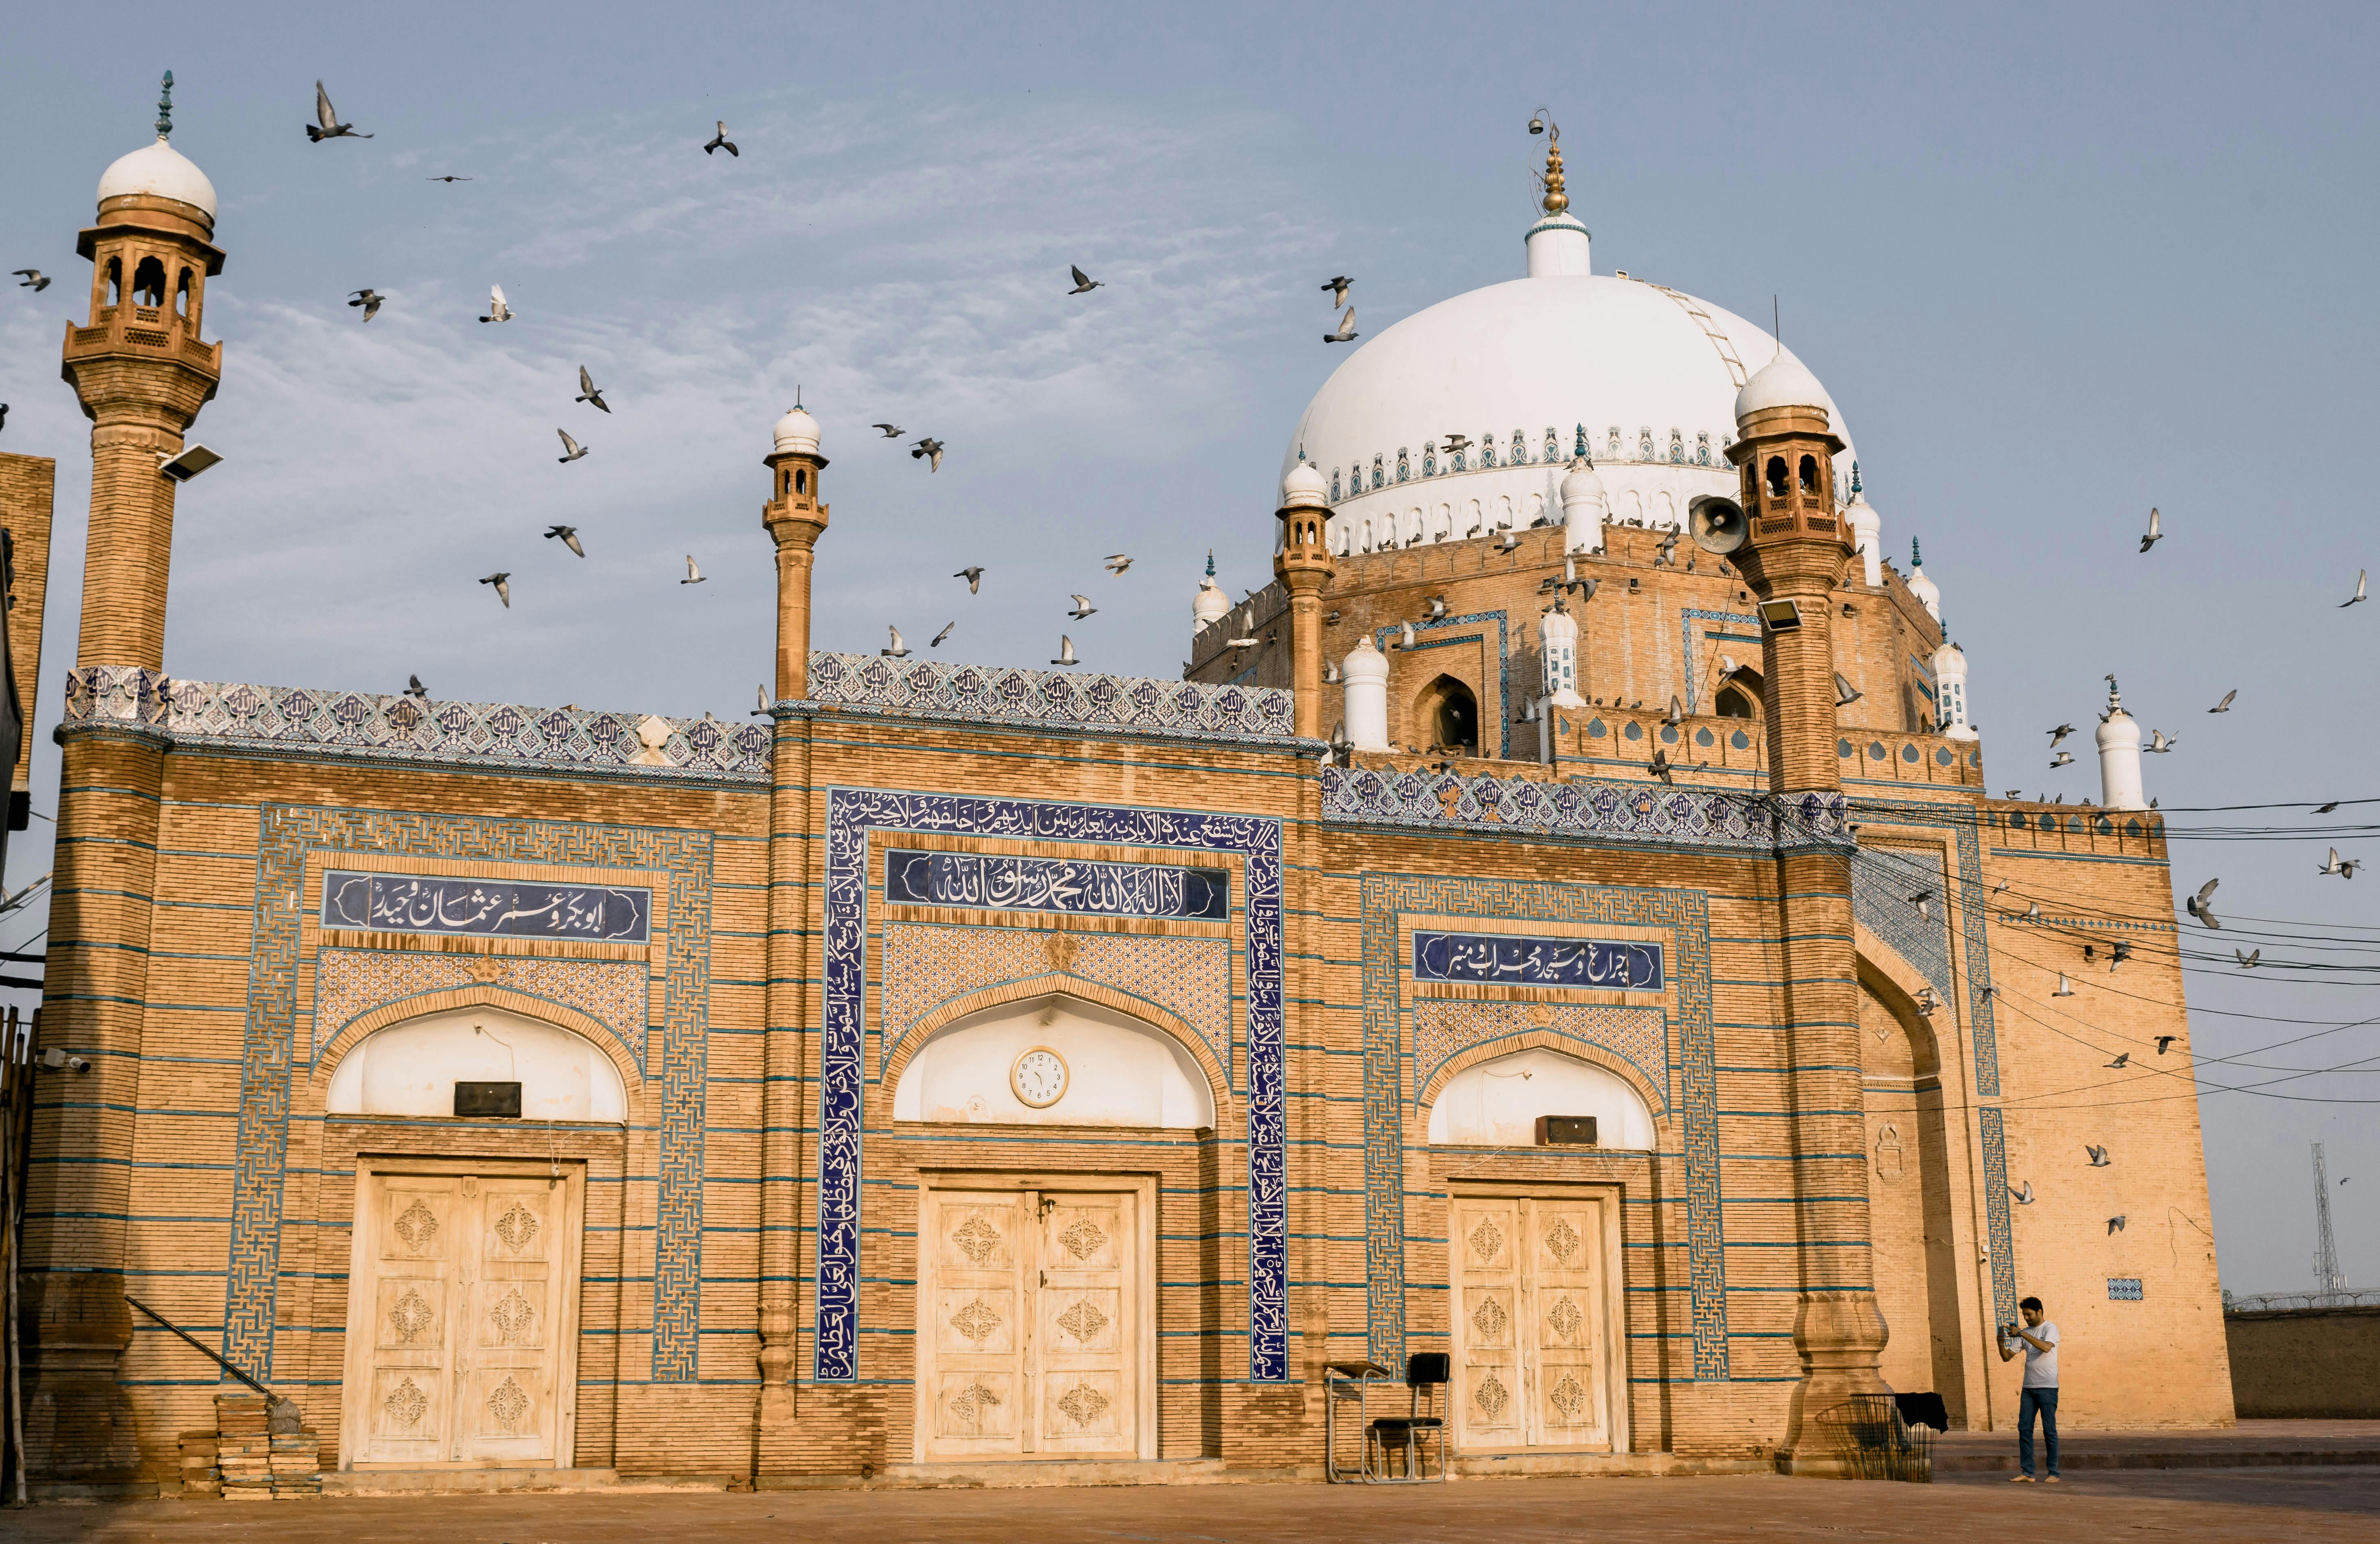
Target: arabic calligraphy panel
<point>1077,886</point>
<point>1503,959</point>
<point>489,908</point>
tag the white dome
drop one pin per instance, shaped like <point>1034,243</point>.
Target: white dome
<point>1929,594</point>
<point>161,170</point>
<point>1582,483</point>
<point>798,432</point>
<point>1304,488</point>
<point>1648,375</point>
<point>1782,382</point>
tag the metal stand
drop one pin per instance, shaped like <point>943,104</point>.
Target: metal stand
<point>1349,1383</point>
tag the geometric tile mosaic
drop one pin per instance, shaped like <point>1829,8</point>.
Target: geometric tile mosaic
<point>350,982</point>
<point>1443,1027</point>
<point>931,689</point>
<point>1596,808</point>
<point>1882,888</point>
<point>1972,901</point>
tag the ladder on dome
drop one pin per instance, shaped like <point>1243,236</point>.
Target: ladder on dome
<point>1710,329</point>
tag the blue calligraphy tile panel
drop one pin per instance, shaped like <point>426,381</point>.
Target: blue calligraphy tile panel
<point>1500,959</point>
<point>486,908</point>
<point>1391,1096</point>
<point>853,816</point>
<point>1077,887</point>
<point>1996,1213</point>
<point>286,836</point>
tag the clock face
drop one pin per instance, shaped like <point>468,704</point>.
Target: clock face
<point>1038,1078</point>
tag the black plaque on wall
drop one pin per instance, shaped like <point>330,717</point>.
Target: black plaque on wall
<point>487,1099</point>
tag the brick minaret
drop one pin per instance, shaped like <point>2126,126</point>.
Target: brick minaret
<point>1304,567</point>
<point>796,517</point>
<point>141,375</point>
<point>1793,558</point>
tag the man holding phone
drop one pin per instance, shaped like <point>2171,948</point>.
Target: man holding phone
<point>2040,1341</point>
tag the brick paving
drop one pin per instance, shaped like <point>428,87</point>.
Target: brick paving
<point>2208,1505</point>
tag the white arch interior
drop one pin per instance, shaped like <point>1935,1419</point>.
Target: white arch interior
<point>411,1068</point>
<point>1119,1071</point>
<point>1496,1104</point>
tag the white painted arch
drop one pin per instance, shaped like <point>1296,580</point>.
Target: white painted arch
<point>1120,1071</point>
<point>411,1068</point>
<point>1496,1104</point>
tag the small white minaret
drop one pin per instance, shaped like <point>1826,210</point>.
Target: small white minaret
<point>1584,508</point>
<point>1927,594</point>
<point>2119,755</point>
<point>1210,605</point>
<point>1558,638</point>
<point>1950,693</point>
<point>1366,675</point>
<point>1867,533</point>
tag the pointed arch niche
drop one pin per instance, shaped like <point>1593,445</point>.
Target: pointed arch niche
<point>1496,1104</point>
<point>410,1068</point>
<point>1118,1071</point>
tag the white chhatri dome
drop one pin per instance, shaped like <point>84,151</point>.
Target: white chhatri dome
<point>798,432</point>
<point>1210,605</point>
<point>161,170</point>
<point>1782,382</point>
<point>1303,488</point>
<point>1647,377</point>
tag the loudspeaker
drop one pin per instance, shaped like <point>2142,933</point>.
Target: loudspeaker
<point>1715,524</point>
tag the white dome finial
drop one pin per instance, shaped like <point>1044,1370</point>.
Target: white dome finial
<point>1210,605</point>
<point>1558,244</point>
<point>1929,594</point>
<point>160,170</point>
<point>797,432</point>
<point>1867,531</point>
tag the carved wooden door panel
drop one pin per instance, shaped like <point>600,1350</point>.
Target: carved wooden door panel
<point>1566,1312</point>
<point>415,1227</point>
<point>1084,1388</point>
<point>974,1331</point>
<point>506,1389</point>
<point>1489,1400</point>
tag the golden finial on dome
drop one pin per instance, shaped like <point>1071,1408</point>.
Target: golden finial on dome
<point>1542,122</point>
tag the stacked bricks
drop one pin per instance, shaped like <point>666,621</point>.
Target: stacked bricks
<point>244,1447</point>
<point>199,1474</point>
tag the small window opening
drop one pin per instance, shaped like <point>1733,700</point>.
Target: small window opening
<point>1809,474</point>
<point>801,481</point>
<point>182,294</point>
<point>1733,703</point>
<point>115,281</point>
<point>149,283</point>
<point>1776,476</point>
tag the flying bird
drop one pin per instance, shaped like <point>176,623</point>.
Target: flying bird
<point>947,629</point>
<point>2362,582</point>
<point>2343,867</point>
<point>2161,741</point>
<point>2064,758</point>
<point>2201,905</point>
<point>2023,1197</point>
<point>1406,641</point>
<point>2122,1059</point>
<point>330,127</point>
<point>449,178</point>
<point>1677,710</point>
<point>4,414</point>
<point>504,587</point>
<point>1845,693</point>
<point>1084,282</point>
<point>1117,563</point>
<point>2098,1155</point>
<point>369,299</point>
<point>567,536</point>
<point>2327,808</point>
<point>892,431</point>
<point>1337,288</point>
<point>2116,1225</point>
<point>720,141</point>
<point>974,577</point>
<point>1661,767</point>
<point>1065,652</point>
<point>1346,333</point>
<point>1455,443</point>
<point>2249,961</point>
<point>899,650</point>
<point>2225,706</point>
<point>693,574</point>
<point>33,279</point>
<point>2059,733</point>
<point>1922,901</point>
<point>587,392</point>
<point>2164,1041</point>
<point>931,451</point>
<point>413,687</point>
<point>572,448</point>
<point>2154,534</point>
<point>497,309</point>
<point>1083,608</point>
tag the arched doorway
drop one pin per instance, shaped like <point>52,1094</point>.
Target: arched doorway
<point>1448,713</point>
<point>1738,695</point>
<point>1909,1215</point>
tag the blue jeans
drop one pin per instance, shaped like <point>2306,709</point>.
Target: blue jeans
<point>2030,1400</point>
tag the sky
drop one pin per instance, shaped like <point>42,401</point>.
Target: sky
<point>2056,263</point>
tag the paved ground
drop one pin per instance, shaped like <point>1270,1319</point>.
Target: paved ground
<point>2203,1504</point>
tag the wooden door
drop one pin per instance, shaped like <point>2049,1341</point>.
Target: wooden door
<point>462,1318</point>
<point>1029,1310</point>
<point>1532,1312</point>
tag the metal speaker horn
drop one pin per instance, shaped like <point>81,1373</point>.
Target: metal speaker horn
<point>1715,524</point>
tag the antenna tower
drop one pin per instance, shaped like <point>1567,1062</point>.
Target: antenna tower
<point>2329,1281</point>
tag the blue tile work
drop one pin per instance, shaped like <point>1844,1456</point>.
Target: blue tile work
<point>1502,708</point>
<point>2124,1289</point>
<point>286,834</point>
<point>1747,621</point>
<point>243,717</point>
<point>1594,807</point>
<point>853,816</point>
<point>1960,820</point>
<point>1388,1092</point>
<point>1881,888</point>
<point>933,688</point>
<point>1995,1215</point>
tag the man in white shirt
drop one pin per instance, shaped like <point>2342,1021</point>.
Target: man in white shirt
<point>2040,1341</point>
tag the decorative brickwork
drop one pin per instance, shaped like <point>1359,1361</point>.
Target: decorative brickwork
<point>350,983</point>
<point>929,689</point>
<point>1996,1213</point>
<point>1583,807</point>
<point>1444,1028</point>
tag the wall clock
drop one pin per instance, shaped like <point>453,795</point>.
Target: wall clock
<point>1038,1078</point>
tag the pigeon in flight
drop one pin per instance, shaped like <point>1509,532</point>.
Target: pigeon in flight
<point>693,574</point>
<point>1457,443</point>
<point>892,431</point>
<point>1117,563</point>
<point>2161,741</point>
<point>1083,608</point>
<point>1677,710</point>
<point>1084,282</point>
<point>1337,288</point>
<point>931,452</point>
<point>2098,1154</point>
<point>720,141</point>
<point>2059,733</point>
<point>2155,534</point>
<point>1346,333</point>
<point>2202,906</point>
<point>2164,1041</point>
<point>2116,1225</point>
<point>332,128</point>
<point>2362,582</point>
<point>587,392</point>
<point>2122,1059</point>
<point>2064,758</point>
<point>497,309</point>
<point>504,583</point>
<point>2023,1197</point>
<point>1922,901</point>
<point>1065,652</point>
<point>2225,706</point>
<point>1660,766</point>
<point>414,688</point>
<point>369,299</point>
<point>2343,867</point>
<point>1845,693</point>
<point>2249,961</point>
<point>567,536</point>
<point>448,177</point>
<point>2327,808</point>
<point>4,414</point>
<point>1437,609</point>
<point>899,650</point>
<point>572,448</point>
<point>948,628</point>
<point>33,279</point>
<point>973,574</point>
